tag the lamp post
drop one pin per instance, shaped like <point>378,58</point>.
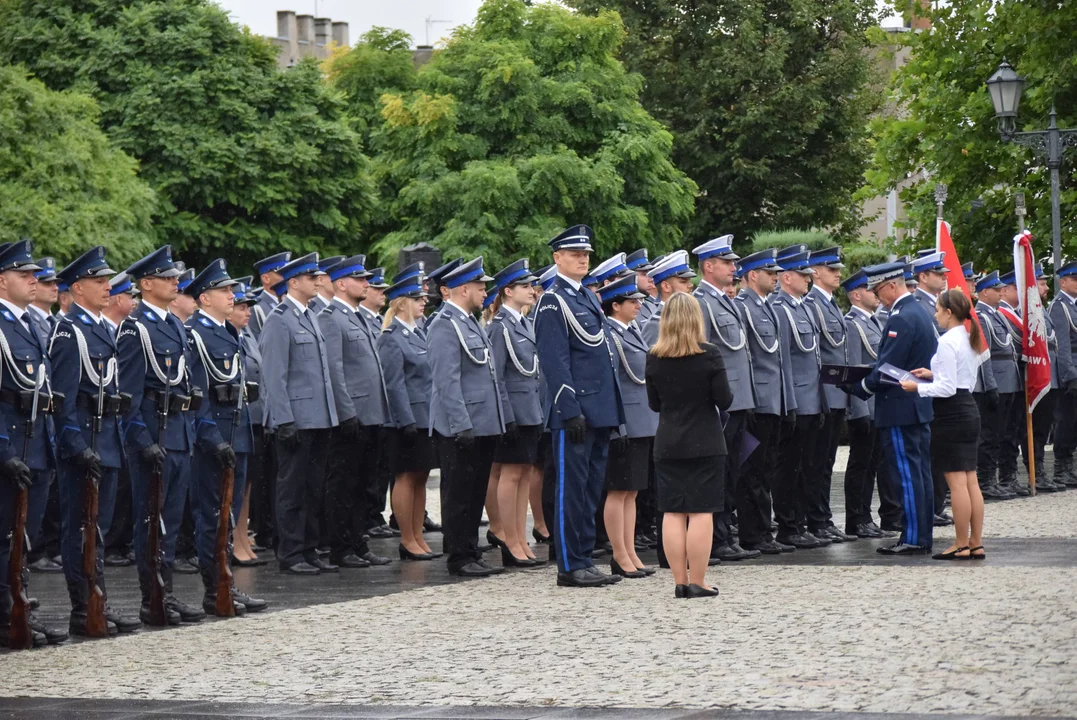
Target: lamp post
<point>1005,86</point>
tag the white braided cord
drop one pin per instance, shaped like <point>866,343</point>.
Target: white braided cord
<point>624,361</point>
<point>212,373</point>
<point>515,360</point>
<point>151,359</point>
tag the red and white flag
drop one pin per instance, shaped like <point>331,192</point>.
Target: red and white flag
<point>1034,339</point>
<point>945,244</point>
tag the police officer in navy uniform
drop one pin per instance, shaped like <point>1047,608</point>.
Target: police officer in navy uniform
<point>469,411</point>
<point>797,487</point>
<point>725,330</point>
<point>269,272</point>
<point>1005,375</point>
<point>222,424</point>
<point>584,405</point>
<point>154,370</point>
<point>25,367</point>
<point>300,410</point>
<point>86,373</point>
<point>325,286</point>
<point>1063,313</point>
<point>903,419</point>
<point>362,406</point>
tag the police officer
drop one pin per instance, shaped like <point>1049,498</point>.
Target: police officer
<point>468,412</point>
<point>903,418</point>
<point>48,291</point>
<point>670,275</point>
<point>1014,433</point>
<point>300,409</point>
<point>833,350</point>
<point>222,426</point>
<point>362,407</point>
<point>637,261</point>
<point>994,415</point>
<point>1063,313</point>
<point>370,311</point>
<point>725,330</point>
<point>86,374</point>
<point>269,272</point>
<point>584,404</point>
<point>929,269</point>
<point>325,286</point>
<point>154,371</point>
<point>1044,412</point>
<point>25,376</point>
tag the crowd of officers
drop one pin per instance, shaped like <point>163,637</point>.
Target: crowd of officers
<point>155,381</point>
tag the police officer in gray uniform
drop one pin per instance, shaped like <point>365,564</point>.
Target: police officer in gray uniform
<point>468,412</point>
<point>362,406</point>
<point>994,414</point>
<point>795,486</point>
<point>833,350</point>
<point>637,262</point>
<point>1044,412</point>
<point>325,286</point>
<point>268,270</point>
<point>670,275</point>
<point>1063,312</point>
<point>772,380</point>
<point>929,269</point>
<point>725,330</point>
<point>300,408</point>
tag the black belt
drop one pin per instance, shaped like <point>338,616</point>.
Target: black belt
<point>176,402</point>
<point>111,405</point>
<point>23,401</point>
<point>230,394</point>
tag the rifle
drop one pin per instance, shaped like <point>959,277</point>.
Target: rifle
<point>224,605</point>
<point>158,615</point>
<point>96,623</point>
<point>20,637</point>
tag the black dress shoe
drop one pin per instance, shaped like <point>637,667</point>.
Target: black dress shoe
<point>123,623</point>
<point>381,531</point>
<point>373,559</point>
<point>941,520</point>
<point>680,591</point>
<point>45,565</point>
<point>253,605</point>
<point>171,616</point>
<point>735,553</point>
<point>325,567</point>
<point>209,605</point>
<point>323,551</point>
<point>838,536</point>
<point>866,530</point>
<point>609,579</point>
<point>540,538</point>
<point>494,570</point>
<point>53,636</point>
<point>406,554</point>
<point>36,638</point>
<point>647,570</point>
<point>77,625</point>
<point>580,578</point>
<point>187,613</point>
<point>300,568</point>
<point>698,591</point>
<point>471,569</point>
<point>184,566</point>
<point>351,560</point>
<point>770,547</point>
<point>115,560</point>
<point>902,549</point>
<point>484,547</point>
<point>822,536</point>
<point>616,569</point>
<point>429,525</point>
<point>801,541</point>
<point>599,552</point>
<point>236,562</point>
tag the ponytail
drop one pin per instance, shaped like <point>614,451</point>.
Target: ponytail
<point>960,305</point>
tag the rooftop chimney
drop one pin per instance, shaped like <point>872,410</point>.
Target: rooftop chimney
<point>323,31</point>
<point>340,33</point>
<point>305,25</point>
<point>286,27</point>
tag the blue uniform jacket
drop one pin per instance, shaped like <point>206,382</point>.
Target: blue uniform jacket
<point>525,401</point>
<point>408,377</point>
<point>70,379</point>
<point>213,421</point>
<point>169,344</point>
<point>581,379</point>
<point>28,353</point>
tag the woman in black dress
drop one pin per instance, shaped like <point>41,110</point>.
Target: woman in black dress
<point>687,386</point>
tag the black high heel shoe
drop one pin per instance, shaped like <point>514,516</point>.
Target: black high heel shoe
<point>236,562</point>
<point>952,555</point>
<point>494,540</point>
<point>510,560</point>
<point>616,569</point>
<point>680,591</point>
<point>406,554</point>
<point>698,591</point>
<point>539,537</point>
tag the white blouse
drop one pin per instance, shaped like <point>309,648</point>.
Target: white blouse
<point>953,366</point>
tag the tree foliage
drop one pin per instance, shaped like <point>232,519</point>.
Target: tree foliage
<point>525,123</point>
<point>62,183</point>
<point>768,101</point>
<point>245,158</point>
<point>946,130</point>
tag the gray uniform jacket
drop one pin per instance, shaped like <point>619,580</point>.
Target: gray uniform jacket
<point>647,308</point>
<point>650,329</point>
<point>771,370</point>
<point>1063,313</point>
<point>520,378</point>
<point>263,306</point>
<point>882,314</point>
<point>317,304</point>
<point>467,394</point>
<point>406,364</point>
<point>295,369</point>
<point>252,365</point>
<point>1003,353</point>
<point>725,330</point>
<point>928,303</point>
<point>865,333</point>
<point>833,343</point>
<point>631,350</point>
<point>1052,348</point>
<point>358,380</point>
<point>799,331</point>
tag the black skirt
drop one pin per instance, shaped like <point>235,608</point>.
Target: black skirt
<point>523,450</point>
<point>626,470</point>
<point>955,433</point>
<point>411,454</point>
<point>691,485</point>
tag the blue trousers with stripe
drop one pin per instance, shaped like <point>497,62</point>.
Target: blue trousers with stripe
<point>579,474</point>
<point>908,454</point>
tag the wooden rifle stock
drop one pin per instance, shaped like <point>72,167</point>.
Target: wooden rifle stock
<point>96,624</point>
<point>158,615</point>
<point>20,637</point>
<point>224,605</point>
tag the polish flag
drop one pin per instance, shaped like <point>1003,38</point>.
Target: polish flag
<point>945,244</point>
<point>1034,339</point>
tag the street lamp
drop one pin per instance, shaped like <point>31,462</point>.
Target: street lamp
<point>1005,87</point>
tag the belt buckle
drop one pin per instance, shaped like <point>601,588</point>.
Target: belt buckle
<point>186,403</point>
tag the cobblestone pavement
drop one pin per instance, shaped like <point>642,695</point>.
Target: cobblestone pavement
<point>982,638</point>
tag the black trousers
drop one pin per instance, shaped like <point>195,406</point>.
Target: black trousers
<point>1043,421</point>
<point>820,457</point>
<point>301,475</point>
<point>47,542</point>
<point>1014,432</point>
<point>385,474</point>
<point>348,474</point>
<point>754,488</point>
<point>992,426</point>
<point>262,477</point>
<point>735,427</point>
<point>792,486</point>
<point>465,472</point>
<point>865,456</point>
<point>185,547</point>
<point>891,509</point>
<point>120,534</point>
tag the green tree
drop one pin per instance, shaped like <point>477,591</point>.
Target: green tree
<point>245,158</point>
<point>62,183</point>
<point>522,125</point>
<point>768,102</point>
<point>946,130</point>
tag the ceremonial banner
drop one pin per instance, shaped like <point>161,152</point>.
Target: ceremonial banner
<point>945,244</point>
<point>1034,340</point>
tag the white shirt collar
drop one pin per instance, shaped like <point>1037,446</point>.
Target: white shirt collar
<point>829,296</point>
<point>373,315</point>
<point>326,299</point>
<point>405,323</point>
<point>343,302</point>
<point>459,309</point>
<point>615,320</point>
<point>515,313</point>
<point>712,286</point>
<point>298,305</point>
<point>1073,299</point>
<point>792,298</point>
<point>576,284</point>
<point>160,312</point>
<point>863,312</point>
<point>934,298</point>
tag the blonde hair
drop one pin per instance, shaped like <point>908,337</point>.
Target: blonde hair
<point>680,330</point>
<point>394,309</point>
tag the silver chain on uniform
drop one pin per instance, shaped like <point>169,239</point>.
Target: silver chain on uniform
<point>571,323</point>
<point>151,359</point>
<point>822,327</point>
<point>466,349</point>
<point>718,332</point>
<point>796,333</point>
<point>87,364</point>
<point>624,361</point>
<point>515,360</point>
<point>212,373</point>
<point>867,344</point>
